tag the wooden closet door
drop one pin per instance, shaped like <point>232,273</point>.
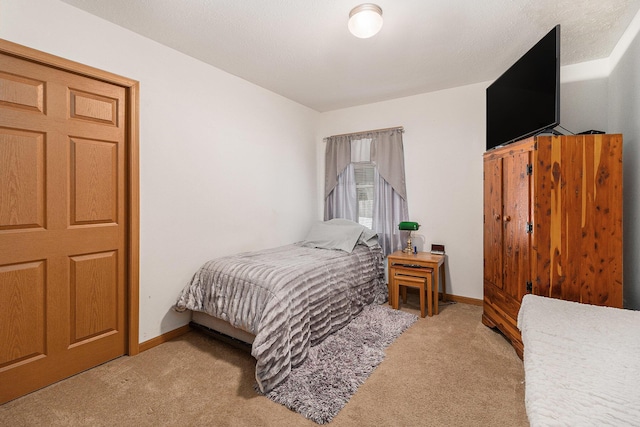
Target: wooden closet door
<point>493,269</point>
<point>506,217</point>
<point>62,224</point>
<point>579,219</point>
<point>516,217</point>
<point>507,237</point>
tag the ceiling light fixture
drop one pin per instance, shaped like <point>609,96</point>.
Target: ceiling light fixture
<point>365,20</point>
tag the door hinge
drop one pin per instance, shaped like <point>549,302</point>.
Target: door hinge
<point>529,227</point>
<point>529,169</point>
<point>529,287</point>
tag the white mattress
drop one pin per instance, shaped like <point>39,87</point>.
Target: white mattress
<point>581,362</point>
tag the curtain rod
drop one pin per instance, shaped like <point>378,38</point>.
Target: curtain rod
<point>400,128</point>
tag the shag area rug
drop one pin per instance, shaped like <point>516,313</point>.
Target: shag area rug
<point>334,369</point>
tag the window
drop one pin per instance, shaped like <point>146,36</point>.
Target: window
<point>364,182</point>
<point>364,175</point>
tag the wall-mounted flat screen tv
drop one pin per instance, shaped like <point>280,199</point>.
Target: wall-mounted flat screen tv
<point>525,99</point>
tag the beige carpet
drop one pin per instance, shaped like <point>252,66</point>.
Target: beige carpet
<point>447,370</point>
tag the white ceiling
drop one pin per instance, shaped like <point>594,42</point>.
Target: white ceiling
<point>301,49</point>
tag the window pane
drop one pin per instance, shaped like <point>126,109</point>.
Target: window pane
<point>364,173</point>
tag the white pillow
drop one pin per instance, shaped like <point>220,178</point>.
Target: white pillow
<point>341,236</point>
<point>368,236</point>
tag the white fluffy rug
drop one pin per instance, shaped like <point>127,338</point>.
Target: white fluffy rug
<point>334,369</point>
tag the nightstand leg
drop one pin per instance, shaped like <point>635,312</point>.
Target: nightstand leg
<point>444,288</point>
<point>436,296</point>
<point>393,297</point>
<point>429,291</point>
<point>444,281</point>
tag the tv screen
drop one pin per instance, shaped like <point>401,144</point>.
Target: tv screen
<point>525,99</point>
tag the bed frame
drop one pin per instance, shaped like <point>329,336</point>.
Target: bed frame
<point>221,330</point>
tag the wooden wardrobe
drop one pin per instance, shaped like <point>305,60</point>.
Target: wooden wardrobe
<point>552,225</point>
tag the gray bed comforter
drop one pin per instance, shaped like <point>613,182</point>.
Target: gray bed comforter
<point>290,298</point>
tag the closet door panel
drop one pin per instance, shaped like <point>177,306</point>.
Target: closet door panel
<point>516,216</point>
<point>579,219</point>
<point>493,222</point>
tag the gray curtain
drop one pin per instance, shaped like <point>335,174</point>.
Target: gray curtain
<point>389,210</point>
<point>341,202</point>
<point>387,153</point>
<point>390,206</point>
<point>337,157</point>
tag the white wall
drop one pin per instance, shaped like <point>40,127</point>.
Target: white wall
<point>215,149</point>
<point>624,117</point>
<point>584,96</point>
<point>443,141</point>
<point>226,166</point>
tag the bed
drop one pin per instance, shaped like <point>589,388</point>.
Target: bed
<point>284,300</point>
<point>581,363</point>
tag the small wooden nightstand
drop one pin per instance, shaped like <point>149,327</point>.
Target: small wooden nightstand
<point>423,265</point>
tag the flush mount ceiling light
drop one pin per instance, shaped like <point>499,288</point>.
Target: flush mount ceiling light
<point>365,20</point>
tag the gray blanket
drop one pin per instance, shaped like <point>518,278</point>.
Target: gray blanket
<point>290,298</point>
